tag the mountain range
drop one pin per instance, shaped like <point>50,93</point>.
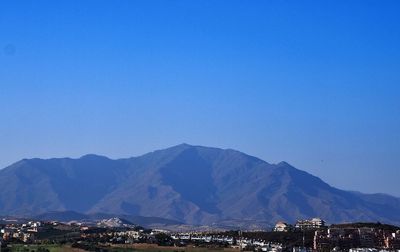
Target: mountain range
<point>187,184</point>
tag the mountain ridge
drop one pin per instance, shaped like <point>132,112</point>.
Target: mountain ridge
<point>185,183</point>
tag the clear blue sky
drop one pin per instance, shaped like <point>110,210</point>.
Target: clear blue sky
<point>314,83</point>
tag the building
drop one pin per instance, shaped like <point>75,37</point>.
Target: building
<point>27,237</point>
<point>321,241</point>
<point>392,241</point>
<point>315,223</point>
<point>343,238</point>
<point>368,238</point>
<point>282,227</point>
<point>353,237</point>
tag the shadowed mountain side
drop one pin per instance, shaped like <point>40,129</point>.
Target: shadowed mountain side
<point>189,184</point>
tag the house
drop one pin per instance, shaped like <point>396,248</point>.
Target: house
<point>282,227</point>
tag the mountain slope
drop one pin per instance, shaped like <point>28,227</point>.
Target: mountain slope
<point>191,184</point>
<point>35,185</point>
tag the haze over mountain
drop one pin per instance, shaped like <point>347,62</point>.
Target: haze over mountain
<point>189,184</point>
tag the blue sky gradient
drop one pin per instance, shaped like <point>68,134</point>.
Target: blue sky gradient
<point>314,83</point>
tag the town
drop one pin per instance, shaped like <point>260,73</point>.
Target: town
<point>116,233</point>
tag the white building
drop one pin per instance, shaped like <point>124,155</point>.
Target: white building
<point>314,223</point>
<point>281,227</point>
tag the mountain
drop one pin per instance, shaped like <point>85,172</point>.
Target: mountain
<point>190,184</point>
<point>64,216</point>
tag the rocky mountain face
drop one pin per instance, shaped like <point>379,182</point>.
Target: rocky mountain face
<point>115,222</point>
<point>190,184</point>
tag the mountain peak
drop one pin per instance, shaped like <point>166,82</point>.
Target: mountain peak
<point>93,156</point>
<point>185,145</point>
<point>285,164</point>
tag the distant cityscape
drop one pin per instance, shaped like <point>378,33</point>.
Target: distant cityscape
<point>117,234</point>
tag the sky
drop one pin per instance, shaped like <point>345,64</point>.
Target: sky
<point>313,83</point>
